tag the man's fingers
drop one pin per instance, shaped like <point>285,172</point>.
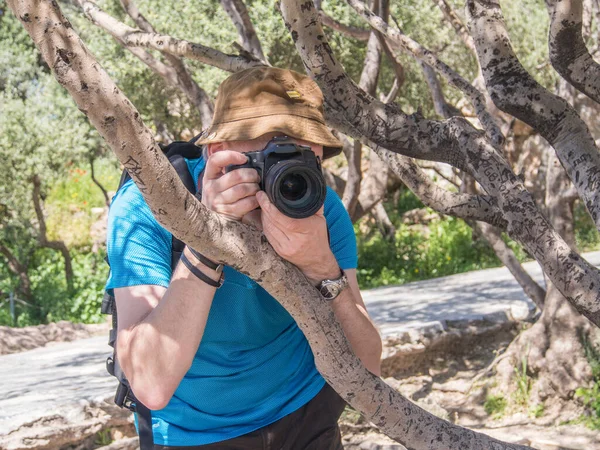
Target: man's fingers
<point>235,177</point>
<point>272,212</point>
<point>238,209</point>
<point>219,160</point>
<point>238,192</point>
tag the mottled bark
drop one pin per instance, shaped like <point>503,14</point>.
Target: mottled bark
<point>42,234</point>
<point>568,53</point>
<point>454,141</point>
<point>514,91</point>
<point>18,269</point>
<point>399,40</point>
<point>490,233</point>
<point>238,13</point>
<point>353,153</point>
<point>553,346</point>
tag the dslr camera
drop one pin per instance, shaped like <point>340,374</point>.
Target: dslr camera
<point>290,175</point>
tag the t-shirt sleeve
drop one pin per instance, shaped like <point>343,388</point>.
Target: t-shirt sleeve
<point>342,239</point>
<point>138,247</point>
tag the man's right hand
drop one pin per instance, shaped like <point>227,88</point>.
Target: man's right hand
<point>231,194</point>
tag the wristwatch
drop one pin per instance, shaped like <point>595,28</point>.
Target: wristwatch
<point>330,289</point>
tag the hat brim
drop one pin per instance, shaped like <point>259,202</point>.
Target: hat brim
<point>294,126</point>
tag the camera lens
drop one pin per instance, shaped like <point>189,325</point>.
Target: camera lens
<point>293,187</point>
<point>296,189</point>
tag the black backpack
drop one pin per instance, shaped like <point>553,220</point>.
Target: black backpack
<point>176,152</point>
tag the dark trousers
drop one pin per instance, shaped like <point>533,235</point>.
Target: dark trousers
<point>312,427</point>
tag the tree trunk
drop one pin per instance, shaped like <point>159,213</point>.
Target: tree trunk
<point>19,269</point>
<point>553,346</point>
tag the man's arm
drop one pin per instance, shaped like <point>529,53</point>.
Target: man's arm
<point>304,243</point>
<point>159,331</point>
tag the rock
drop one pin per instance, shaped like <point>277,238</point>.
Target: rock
<point>13,340</point>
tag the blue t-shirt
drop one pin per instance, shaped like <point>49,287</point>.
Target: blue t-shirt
<point>254,365</point>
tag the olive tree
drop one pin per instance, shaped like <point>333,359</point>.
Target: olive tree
<point>396,137</point>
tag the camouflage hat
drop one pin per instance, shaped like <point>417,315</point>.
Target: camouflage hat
<point>262,100</point>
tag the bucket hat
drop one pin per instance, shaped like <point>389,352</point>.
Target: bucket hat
<point>262,100</point>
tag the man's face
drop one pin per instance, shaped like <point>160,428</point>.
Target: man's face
<point>259,144</point>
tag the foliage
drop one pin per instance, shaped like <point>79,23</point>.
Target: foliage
<point>445,246</point>
<point>591,395</point>
<point>586,235</point>
<point>54,301</point>
<point>521,395</point>
<point>72,201</point>
<point>494,406</point>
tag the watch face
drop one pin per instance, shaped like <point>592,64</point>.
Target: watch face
<point>330,291</point>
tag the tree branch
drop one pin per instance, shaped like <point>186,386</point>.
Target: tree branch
<point>97,183</point>
<point>183,79</point>
<point>568,53</point>
<point>19,269</point>
<point>400,40</point>
<point>133,37</point>
<point>456,141</point>
<point>456,22</point>
<point>353,32</point>
<point>353,153</point>
<point>237,12</point>
<point>42,237</point>
<point>442,108</point>
<point>514,91</point>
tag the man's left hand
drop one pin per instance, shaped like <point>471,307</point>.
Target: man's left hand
<point>303,242</point>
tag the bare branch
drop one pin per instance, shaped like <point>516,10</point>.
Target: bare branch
<point>533,290</point>
<point>356,33</point>
<point>442,108</point>
<point>133,37</point>
<point>97,183</point>
<point>238,13</point>
<point>42,235</point>
<point>19,269</point>
<point>568,53</point>
<point>353,153</point>
<point>452,180</point>
<point>400,40</point>
<point>183,79</point>
<point>514,91</point>
<point>456,22</point>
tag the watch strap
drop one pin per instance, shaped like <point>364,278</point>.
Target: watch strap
<point>204,260</point>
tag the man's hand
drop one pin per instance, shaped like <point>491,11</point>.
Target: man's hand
<point>230,194</point>
<point>303,242</point>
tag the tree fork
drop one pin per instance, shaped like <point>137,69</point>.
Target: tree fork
<point>120,125</point>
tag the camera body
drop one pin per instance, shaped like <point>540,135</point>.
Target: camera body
<point>290,175</point>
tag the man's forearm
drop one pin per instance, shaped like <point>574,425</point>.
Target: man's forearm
<point>156,353</point>
<point>359,330</point>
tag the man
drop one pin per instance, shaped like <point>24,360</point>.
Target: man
<point>228,367</point>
